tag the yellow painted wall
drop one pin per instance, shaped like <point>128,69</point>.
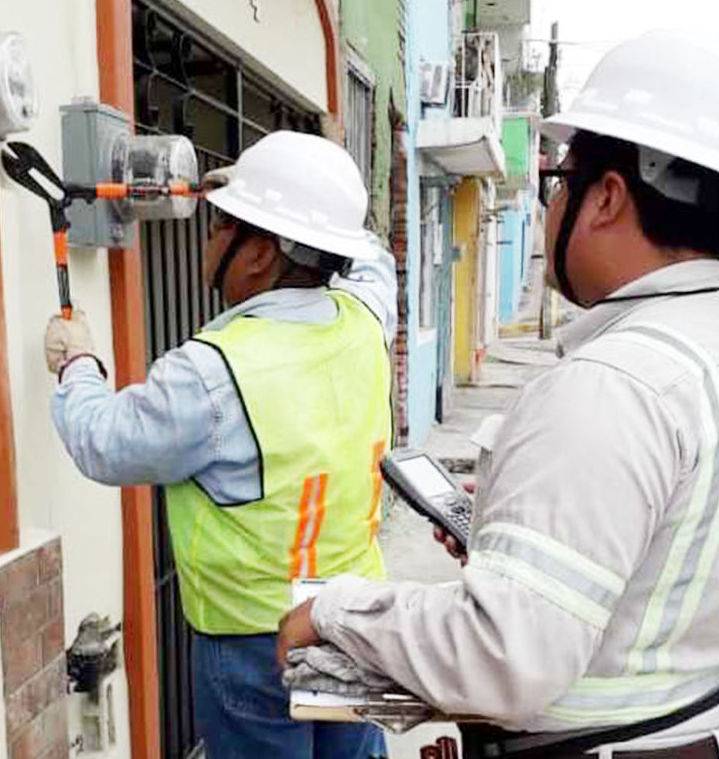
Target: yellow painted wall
<point>467,207</point>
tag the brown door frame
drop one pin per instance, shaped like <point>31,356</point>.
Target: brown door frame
<point>9,531</point>
<point>114,54</point>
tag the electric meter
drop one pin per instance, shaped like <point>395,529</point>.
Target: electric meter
<point>155,160</point>
<point>18,99</point>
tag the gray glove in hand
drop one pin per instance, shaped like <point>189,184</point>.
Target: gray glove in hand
<point>327,669</point>
<point>66,338</point>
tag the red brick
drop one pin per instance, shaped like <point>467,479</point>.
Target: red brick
<point>18,578</point>
<point>36,696</point>
<point>58,751</point>
<point>55,604</point>
<point>50,561</point>
<point>21,662</point>
<point>46,734</point>
<point>53,640</point>
<point>30,743</point>
<point>24,617</point>
<point>55,723</point>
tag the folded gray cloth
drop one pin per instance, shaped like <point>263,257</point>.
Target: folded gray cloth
<point>327,669</point>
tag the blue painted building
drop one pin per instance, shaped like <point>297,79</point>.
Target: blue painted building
<point>429,40</point>
<point>516,237</point>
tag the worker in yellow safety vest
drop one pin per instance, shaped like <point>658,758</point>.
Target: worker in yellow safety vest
<point>266,428</point>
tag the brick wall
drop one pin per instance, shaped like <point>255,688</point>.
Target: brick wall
<point>33,655</point>
<point>398,243</point>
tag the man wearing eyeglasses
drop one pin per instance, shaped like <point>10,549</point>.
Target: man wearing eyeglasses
<point>588,612</point>
<point>267,429</point>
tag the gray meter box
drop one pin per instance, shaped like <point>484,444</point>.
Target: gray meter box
<point>90,132</point>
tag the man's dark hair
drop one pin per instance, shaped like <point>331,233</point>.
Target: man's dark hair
<point>666,223</point>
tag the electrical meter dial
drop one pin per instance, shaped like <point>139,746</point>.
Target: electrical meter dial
<point>155,160</point>
<point>18,98</point>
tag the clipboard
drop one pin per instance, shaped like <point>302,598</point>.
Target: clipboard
<point>395,712</point>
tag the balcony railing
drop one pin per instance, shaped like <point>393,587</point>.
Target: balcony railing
<point>478,77</point>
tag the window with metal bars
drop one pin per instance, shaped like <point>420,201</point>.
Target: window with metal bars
<point>185,84</point>
<point>358,121</point>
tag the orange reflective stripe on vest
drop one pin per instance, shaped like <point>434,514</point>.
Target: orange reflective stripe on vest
<point>303,555</point>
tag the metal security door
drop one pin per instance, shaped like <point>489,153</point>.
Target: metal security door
<point>443,297</point>
<point>185,85</point>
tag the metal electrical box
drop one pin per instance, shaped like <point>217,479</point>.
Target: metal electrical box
<point>90,133</point>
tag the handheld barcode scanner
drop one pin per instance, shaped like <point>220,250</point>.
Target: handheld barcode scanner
<point>430,490</point>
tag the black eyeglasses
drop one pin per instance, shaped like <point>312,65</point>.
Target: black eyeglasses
<point>551,182</point>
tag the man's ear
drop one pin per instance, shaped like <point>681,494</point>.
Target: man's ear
<point>261,256</point>
<point>608,200</point>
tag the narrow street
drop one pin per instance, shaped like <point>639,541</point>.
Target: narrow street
<point>411,552</point>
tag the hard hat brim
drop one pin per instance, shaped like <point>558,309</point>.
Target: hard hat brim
<point>561,128</point>
<point>361,247</point>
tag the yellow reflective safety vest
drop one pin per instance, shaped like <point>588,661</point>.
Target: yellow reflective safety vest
<point>317,397</point>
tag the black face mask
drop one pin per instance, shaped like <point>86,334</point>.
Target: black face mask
<point>241,236</point>
<point>577,188</point>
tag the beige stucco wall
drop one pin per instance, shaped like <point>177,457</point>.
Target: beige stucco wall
<point>52,493</point>
<point>286,43</point>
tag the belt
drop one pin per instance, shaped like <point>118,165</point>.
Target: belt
<point>703,749</point>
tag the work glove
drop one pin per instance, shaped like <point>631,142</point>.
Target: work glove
<point>65,339</point>
<point>327,669</point>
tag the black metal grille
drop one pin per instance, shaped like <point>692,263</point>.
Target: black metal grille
<point>185,85</point>
<point>358,122</point>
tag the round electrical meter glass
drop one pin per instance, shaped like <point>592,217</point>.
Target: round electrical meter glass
<point>18,98</point>
<point>156,160</point>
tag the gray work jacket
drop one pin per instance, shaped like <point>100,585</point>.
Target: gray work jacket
<point>591,596</point>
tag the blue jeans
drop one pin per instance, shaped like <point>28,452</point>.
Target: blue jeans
<point>242,708</point>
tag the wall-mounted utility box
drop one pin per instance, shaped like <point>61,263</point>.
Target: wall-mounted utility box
<point>90,133</point>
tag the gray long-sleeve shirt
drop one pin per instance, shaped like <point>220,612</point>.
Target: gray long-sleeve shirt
<point>185,420</point>
<point>590,597</point>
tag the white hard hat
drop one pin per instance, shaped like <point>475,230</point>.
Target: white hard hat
<point>303,188</point>
<point>659,91</point>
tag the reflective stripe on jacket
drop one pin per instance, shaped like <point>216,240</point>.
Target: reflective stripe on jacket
<point>317,398</point>
<point>591,596</point>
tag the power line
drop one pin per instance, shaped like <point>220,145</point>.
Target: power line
<point>585,43</point>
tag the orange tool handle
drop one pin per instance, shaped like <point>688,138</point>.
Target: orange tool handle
<point>181,189</point>
<point>63,278</point>
<point>111,190</point>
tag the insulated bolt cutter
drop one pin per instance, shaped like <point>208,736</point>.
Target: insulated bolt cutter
<point>26,166</point>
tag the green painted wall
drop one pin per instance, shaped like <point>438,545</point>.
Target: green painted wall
<point>515,140</point>
<point>371,29</point>
<point>471,14</point>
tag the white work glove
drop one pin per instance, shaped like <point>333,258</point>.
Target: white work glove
<point>65,339</point>
<point>327,669</point>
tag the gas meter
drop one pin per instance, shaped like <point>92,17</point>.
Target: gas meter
<point>18,99</point>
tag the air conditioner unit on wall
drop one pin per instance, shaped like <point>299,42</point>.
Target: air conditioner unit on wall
<point>434,83</point>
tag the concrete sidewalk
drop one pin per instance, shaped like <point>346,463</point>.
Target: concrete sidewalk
<point>508,366</point>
